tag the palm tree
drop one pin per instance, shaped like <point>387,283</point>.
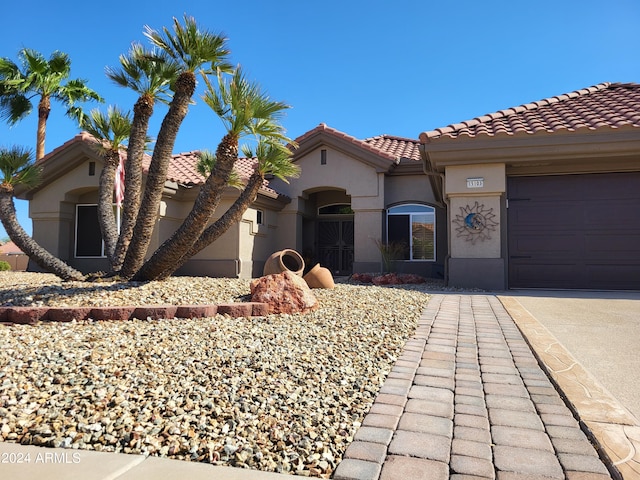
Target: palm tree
<point>111,131</point>
<point>244,109</point>
<point>193,50</point>
<point>271,159</point>
<point>43,79</point>
<point>149,73</point>
<point>17,168</point>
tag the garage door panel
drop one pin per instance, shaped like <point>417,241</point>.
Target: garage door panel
<point>546,214</point>
<point>613,245</point>
<point>574,231</point>
<point>550,275</point>
<point>534,244</point>
<point>611,214</point>
<point>614,276</point>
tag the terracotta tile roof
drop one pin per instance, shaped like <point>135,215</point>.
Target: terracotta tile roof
<point>183,170</point>
<point>399,147</point>
<point>606,105</point>
<point>10,248</point>
<point>388,147</point>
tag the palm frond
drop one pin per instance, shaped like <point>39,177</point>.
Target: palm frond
<point>17,167</point>
<point>244,108</point>
<point>112,128</point>
<point>190,46</point>
<point>206,164</point>
<point>274,158</point>
<point>145,71</point>
<point>14,108</point>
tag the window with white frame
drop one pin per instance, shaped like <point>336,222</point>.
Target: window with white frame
<point>411,230</point>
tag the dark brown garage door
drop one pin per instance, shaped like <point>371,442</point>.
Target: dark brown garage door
<point>574,231</point>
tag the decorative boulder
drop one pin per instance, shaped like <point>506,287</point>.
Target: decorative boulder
<point>284,292</point>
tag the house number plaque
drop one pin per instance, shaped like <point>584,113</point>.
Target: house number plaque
<point>475,182</point>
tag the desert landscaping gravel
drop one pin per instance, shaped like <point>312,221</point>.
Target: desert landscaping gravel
<point>282,393</point>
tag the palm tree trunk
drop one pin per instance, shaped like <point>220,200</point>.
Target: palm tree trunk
<point>148,213</point>
<point>220,226</point>
<point>142,111</point>
<point>170,252</point>
<point>106,217</point>
<point>35,252</point>
<point>44,107</point>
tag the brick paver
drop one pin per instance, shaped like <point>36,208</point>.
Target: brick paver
<point>466,400</point>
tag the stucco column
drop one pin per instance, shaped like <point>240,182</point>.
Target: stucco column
<point>367,225</point>
<point>289,231</point>
<point>475,195</point>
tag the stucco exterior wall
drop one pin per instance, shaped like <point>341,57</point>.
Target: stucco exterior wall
<point>476,195</point>
<point>53,210</point>
<point>342,179</point>
<point>408,189</point>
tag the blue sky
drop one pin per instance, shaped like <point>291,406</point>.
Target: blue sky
<point>364,67</point>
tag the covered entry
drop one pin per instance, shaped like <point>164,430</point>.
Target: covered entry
<point>329,233</point>
<point>335,244</point>
<point>574,231</point>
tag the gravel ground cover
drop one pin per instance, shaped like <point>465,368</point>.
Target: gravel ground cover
<point>282,393</point>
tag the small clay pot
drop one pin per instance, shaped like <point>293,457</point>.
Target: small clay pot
<point>284,260</point>
<point>319,277</point>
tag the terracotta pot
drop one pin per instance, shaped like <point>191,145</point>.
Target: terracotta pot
<point>284,260</point>
<point>319,277</point>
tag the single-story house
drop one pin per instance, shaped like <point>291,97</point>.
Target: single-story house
<point>16,258</point>
<point>541,195</point>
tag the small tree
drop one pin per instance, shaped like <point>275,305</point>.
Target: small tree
<point>244,110</point>
<point>192,50</point>
<point>42,79</point>
<point>149,73</point>
<point>168,72</point>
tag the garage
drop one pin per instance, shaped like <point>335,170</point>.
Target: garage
<point>574,231</point>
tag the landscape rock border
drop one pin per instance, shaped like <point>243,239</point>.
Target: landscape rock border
<point>33,315</point>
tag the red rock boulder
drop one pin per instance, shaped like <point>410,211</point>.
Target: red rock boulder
<point>284,292</point>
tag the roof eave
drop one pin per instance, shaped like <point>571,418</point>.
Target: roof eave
<point>583,143</point>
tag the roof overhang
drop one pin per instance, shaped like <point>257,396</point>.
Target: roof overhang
<point>61,161</point>
<point>582,150</point>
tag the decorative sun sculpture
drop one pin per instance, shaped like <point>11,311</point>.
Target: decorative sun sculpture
<point>475,223</point>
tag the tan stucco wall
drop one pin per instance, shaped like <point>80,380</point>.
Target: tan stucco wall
<point>341,178</point>
<point>340,171</point>
<point>476,254</point>
<point>493,175</point>
<point>408,189</point>
<point>464,245</point>
<point>52,210</point>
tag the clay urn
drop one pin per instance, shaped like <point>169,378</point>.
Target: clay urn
<point>282,261</point>
<point>319,277</point>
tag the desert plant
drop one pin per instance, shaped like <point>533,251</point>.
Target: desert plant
<point>390,252</point>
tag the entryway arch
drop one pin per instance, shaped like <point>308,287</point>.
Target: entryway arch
<point>328,230</point>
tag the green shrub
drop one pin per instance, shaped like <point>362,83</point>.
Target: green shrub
<point>4,266</point>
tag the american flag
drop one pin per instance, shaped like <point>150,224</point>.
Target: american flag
<point>119,181</point>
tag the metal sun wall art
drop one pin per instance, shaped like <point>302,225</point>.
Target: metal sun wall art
<point>475,223</point>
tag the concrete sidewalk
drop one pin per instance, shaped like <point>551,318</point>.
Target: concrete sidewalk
<point>466,400</point>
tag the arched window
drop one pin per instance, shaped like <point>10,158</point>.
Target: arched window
<point>336,209</point>
<point>411,229</point>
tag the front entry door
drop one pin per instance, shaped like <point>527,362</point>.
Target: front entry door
<point>335,245</point>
